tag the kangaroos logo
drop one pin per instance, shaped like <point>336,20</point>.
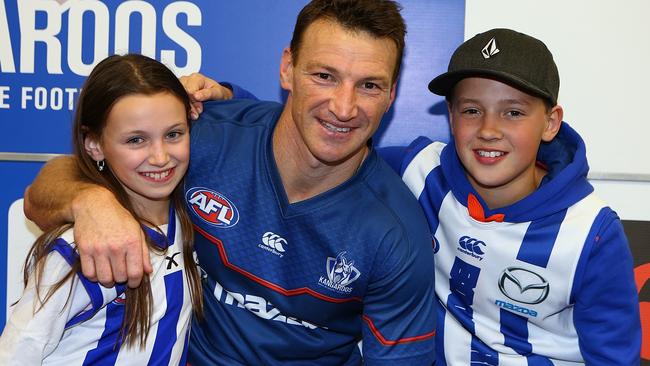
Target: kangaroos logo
<point>340,273</point>
<point>471,246</point>
<point>212,207</point>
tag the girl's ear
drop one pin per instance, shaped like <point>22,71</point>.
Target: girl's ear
<point>93,148</point>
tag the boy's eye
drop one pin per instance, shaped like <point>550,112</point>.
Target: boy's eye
<point>135,140</point>
<point>173,134</point>
<point>514,113</point>
<point>470,111</point>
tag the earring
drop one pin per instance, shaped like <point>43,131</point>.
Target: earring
<point>100,165</point>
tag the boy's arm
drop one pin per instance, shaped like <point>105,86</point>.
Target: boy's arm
<point>110,242</point>
<point>606,313</point>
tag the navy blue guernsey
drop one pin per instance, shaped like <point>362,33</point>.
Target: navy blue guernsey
<point>303,283</point>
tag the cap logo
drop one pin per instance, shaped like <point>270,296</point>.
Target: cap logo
<point>490,49</point>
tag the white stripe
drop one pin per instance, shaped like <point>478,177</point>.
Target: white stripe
<point>422,164</point>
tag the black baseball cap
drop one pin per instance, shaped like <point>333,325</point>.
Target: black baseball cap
<point>514,58</point>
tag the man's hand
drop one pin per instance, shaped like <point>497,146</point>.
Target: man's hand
<point>110,242</point>
<point>201,88</point>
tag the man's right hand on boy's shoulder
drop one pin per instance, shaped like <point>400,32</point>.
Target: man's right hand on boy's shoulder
<point>110,242</point>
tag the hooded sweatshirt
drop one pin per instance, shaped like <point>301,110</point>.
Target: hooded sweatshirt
<point>547,280</point>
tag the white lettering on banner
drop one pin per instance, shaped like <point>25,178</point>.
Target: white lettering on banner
<point>75,44</point>
<point>3,96</point>
<point>6,53</point>
<point>148,15</point>
<point>77,12</point>
<point>176,34</point>
<point>42,98</point>
<point>29,35</point>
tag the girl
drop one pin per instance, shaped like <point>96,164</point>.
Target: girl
<point>131,135</point>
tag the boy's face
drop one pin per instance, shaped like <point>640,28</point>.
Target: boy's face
<point>497,130</point>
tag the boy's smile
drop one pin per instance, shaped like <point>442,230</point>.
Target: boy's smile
<point>497,130</point>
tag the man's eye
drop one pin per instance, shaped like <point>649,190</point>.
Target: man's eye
<point>324,76</point>
<point>370,86</point>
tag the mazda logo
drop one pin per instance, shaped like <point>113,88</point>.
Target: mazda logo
<point>523,285</point>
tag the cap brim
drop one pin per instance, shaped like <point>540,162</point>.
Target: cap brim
<point>443,84</point>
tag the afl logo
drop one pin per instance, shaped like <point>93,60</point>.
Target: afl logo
<point>212,207</point>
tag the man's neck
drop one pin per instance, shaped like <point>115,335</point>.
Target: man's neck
<point>303,175</point>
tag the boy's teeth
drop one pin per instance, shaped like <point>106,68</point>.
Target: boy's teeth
<point>334,128</point>
<point>490,154</point>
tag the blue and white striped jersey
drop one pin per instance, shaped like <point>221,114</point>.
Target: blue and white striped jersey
<point>80,323</point>
<point>545,281</point>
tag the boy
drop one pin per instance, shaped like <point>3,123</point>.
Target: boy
<point>531,267</point>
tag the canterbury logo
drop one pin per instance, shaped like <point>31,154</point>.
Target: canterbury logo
<point>471,245</point>
<point>490,49</point>
<point>274,241</point>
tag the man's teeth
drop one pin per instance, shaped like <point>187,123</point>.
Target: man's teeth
<point>490,154</point>
<point>334,128</point>
<point>157,176</point>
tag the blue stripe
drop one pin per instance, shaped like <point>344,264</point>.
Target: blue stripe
<point>108,347</point>
<point>166,333</point>
<point>515,332</point>
<point>539,240</point>
<point>92,288</point>
<point>483,355</point>
<point>537,360</point>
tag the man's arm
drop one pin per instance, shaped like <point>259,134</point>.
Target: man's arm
<point>110,242</point>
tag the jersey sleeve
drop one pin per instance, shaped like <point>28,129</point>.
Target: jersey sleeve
<point>30,335</point>
<point>606,313</point>
<point>238,92</point>
<point>399,308</point>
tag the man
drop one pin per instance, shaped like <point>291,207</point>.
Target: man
<point>308,241</point>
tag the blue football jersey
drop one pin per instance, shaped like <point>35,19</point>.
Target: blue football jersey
<point>303,283</point>
<point>80,323</point>
<point>545,281</point>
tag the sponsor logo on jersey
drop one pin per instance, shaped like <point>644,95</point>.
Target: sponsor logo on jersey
<point>516,308</point>
<point>340,273</point>
<point>273,243</point>
<point>212,207</point>
<point>471,247</point>
<point>120,300</point>
<point>257,305</point>
<point>172,261</point>
<point>523,285</point>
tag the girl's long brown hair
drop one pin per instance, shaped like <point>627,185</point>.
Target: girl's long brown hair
<point>113,78</point>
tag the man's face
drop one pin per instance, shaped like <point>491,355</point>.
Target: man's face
<point>339,89</point>
<point>497,130</point>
